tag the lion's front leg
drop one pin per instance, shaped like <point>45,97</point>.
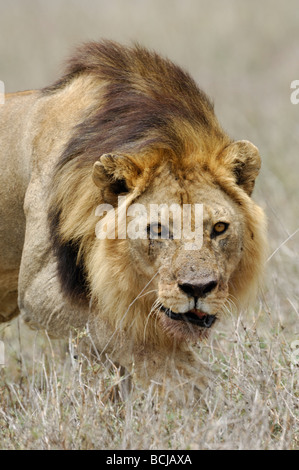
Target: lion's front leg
<point>8,295</point>
<point>42,302</point>
<point>179,375</point>
<point>174,372</point>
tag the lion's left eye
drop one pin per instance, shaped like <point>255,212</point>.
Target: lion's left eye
<point>219,228</point>
<point>157,230</point>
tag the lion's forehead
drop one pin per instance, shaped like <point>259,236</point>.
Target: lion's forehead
<point>169,195</point>
<point>222,211</point>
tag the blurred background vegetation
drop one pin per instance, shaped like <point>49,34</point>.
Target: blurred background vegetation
<point>244,54</point>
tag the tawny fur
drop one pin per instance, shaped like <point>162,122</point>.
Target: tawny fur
<point>123,121</point>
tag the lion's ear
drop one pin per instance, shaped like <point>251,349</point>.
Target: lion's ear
<point>114,175</point>
<point>245,162</point>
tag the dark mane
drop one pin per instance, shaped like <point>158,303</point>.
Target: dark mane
<point>147,99</point>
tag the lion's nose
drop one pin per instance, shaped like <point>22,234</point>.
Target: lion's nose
<point>198,289</point>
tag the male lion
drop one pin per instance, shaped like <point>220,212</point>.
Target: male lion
<point>125,122</point>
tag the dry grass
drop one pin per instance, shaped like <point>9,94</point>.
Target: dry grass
<point>51,401</point>
<point>246,59</point>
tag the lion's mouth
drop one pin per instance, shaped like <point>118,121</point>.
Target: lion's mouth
<point>194,316</point>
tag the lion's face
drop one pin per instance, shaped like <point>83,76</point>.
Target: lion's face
<point>194,239</point>
<point>190,281</point>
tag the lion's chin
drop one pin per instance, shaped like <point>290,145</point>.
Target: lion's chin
<point>192,326</point>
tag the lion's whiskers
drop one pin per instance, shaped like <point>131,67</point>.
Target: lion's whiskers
<point>154,308</point>
<point>228,307</point>
<point>149,292</point>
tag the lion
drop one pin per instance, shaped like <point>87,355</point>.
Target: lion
<point>125,128</point>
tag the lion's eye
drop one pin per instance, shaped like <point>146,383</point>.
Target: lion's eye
<point>219,228</point>
<point>156,230</point>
